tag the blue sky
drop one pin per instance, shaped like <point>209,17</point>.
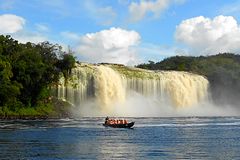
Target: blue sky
<point>125,31</point>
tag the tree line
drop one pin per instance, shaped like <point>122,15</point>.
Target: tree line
<point>222,71</point>
<point>27,71</point>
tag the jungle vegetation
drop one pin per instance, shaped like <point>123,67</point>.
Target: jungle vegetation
<point>26,73</point>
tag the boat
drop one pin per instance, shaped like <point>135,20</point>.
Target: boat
<point>127,125</point>
<point>117,123</point>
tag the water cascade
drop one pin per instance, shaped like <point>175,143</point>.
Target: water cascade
<point>108,85</point>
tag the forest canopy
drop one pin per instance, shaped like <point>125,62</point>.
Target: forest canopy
<point>27,71</point>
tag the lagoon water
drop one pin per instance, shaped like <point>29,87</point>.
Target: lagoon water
<point>151,138</point>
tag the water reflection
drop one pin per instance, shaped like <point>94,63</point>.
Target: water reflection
<point>117,144</point>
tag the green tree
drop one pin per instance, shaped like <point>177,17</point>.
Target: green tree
<point>27,71</point>
<point>66,64</point>
<point>9,90</point>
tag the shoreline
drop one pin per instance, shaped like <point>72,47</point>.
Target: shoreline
<point>57,109</point>
<point>32,117</point>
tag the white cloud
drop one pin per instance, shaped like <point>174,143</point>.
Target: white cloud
<point>140,10</point>
<point>27,36</point>
<point>209,36</point>
<point>115,45</point>
<point>11,23</point>
<point>42,27</point>
<point>15,26</point>
<point>70,35</point>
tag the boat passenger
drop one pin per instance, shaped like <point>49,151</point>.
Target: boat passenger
<point>106,120</point>
<point>121,121</point>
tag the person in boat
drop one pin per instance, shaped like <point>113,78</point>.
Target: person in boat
<point>106,120</point>
<point>115,121</point>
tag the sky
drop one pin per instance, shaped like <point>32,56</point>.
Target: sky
<point>126,31</point>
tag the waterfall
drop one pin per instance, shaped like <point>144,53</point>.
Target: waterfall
<point>182,88</point>
<point>108,85</point>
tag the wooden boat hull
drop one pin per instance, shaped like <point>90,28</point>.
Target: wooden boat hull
<point>128,125</point>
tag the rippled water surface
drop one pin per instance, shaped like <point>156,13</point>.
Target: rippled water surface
<point>151,138</point>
